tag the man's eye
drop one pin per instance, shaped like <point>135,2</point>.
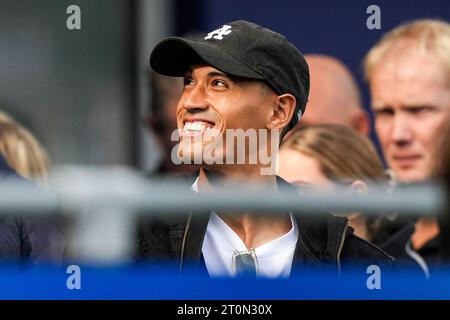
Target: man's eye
<point>384,112</point>
<point>219,83</point>
<point>187,81</point>
<point>419,110</point>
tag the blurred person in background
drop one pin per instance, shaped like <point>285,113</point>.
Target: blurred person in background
<point>334,97</point>
<point>26,156</point>
<point>321,157</point>
<point>14,241</point>
<point>22,151</point>
<point>443,176</point>
<point>408,72</point>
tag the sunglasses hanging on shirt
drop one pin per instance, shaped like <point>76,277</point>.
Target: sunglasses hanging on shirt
<point>245,263</point>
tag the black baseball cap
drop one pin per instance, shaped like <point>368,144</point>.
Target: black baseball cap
<point>243,49</point>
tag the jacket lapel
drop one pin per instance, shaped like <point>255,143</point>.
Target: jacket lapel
<point>194,235</point>
<point>320,241</point>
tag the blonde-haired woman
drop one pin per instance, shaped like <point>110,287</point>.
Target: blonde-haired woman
<point>324,156</point>
<point>27,157</point>
<point>15,244</point>
<point>22,151</point>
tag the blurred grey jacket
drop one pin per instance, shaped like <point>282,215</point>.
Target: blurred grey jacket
<point>14,242</point>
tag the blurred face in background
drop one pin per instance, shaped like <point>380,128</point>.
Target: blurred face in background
<point>302,171</point>
<point>411,101</point>
<point>334,97</point>
<point>330,157</point>
<point>305,175</point>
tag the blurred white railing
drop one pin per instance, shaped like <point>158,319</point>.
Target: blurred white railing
<point>106,202</point>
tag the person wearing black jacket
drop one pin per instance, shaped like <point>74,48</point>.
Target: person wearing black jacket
<point>243,77</point>
<point>14,242</point>
<point>407,72</point>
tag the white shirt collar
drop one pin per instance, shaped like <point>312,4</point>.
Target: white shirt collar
<point>274,257</point>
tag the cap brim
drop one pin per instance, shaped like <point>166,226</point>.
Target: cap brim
<point>174,56</point>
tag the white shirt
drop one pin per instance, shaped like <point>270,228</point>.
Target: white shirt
<point>220,242</point>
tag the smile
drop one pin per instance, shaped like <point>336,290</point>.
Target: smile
<point>196,127</point>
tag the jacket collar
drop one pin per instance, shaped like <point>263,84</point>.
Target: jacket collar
<point>320,242</point>
<point>321,236</point>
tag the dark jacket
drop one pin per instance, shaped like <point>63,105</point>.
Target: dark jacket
<point>325,242</point>
<point>394,238</point>
<point>14,242</point>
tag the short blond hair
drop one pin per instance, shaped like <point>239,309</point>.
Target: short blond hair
<point>429,36</point>
<point>22,151</point>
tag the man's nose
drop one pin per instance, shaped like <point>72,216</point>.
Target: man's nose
<point>195,99</point>
<point>401,130</point>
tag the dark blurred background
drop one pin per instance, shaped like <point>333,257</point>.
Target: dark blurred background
<point>84,92</point>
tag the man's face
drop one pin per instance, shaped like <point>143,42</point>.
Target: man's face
<point>411,102</point>
<point>213,100</point>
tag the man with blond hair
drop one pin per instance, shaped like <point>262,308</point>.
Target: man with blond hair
<point>408,72</point>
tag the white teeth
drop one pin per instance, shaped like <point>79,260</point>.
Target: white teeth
<point>197,126</point>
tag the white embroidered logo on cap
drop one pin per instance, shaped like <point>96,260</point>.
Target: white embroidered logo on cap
<point>219,33</point>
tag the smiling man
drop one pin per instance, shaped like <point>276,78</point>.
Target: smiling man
<point>243,79</point>
<point>409,76</point>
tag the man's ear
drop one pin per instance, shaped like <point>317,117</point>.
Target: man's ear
<point>282,112</point>
<point>361,122</point>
